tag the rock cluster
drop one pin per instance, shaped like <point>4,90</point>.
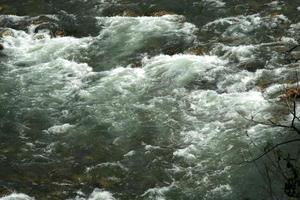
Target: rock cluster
<point>40,24</point>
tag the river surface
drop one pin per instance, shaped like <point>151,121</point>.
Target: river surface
<point>142,100</point>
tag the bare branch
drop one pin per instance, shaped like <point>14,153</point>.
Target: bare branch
<point>271,149</point>
<point>293,48</point>
<point>271,123</point>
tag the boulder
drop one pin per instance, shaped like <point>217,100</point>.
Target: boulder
<point>1,47</point>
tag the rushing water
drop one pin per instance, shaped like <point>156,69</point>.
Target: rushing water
<point>128,103</point>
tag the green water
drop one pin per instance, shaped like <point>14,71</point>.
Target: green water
<point>120,107</point>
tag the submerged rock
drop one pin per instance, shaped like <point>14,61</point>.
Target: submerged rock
<point>39,36</point>
<point>6,33</point>
<point>46,27</point>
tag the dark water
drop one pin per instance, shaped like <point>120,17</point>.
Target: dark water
<point>135,99</point>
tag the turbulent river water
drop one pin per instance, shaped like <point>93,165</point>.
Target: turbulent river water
<point>131,99</point>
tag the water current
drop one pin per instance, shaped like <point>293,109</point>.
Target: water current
<point>145,100</point>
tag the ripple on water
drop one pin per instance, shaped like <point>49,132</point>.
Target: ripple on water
<point>170,128</point>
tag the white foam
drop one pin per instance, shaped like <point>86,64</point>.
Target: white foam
<point>179,70</point>
<point>221,191</point>
<point>245,23</point>
<point>157,193</point>
<point>203,97</point>
<point>216,3</point>
<point>242,53</point>
<point>289,40</point>
<point>218,116</point>
<point>117,165</point>
<point>13,18</point>
<point>25,48</point>
<point>130,153</point>
<point>58,129</point>
<point>58,78</point>
<point>123,36</point>
<point>186,153</point>
<point>294,30</point>
<point>240,27</point>
<point>97,194</point>
<point>17,196</point>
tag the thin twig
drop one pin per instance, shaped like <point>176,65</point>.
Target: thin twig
<point>265,123</point>
<point>270,149</point>
<point>293,48</point>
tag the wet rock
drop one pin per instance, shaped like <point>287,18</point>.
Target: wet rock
<point>274,14</point>
<point>292,187</point>
<point>129,13</point>
<point>1,47</point>
<point>14,22</point>
<point>81,26</point>
<point>290,93</point>
<point>39,36</point>
<point>60,33</point>
<point>171,51</point>
<point>5,191</point>
<point>41,19</point>
<point>105,183</point>
<point>47,27</point>
<point>5,9</point>
<point>280,49</point>
<point>262,84</point>
<point>6,33</point>
<point>136,64</point>
<point>196,50</point>
<point>292,65</point>
<point>295,55</point>
<point>162,13</point>
<point>252,65</point>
